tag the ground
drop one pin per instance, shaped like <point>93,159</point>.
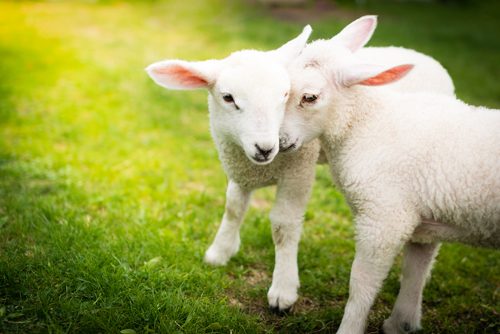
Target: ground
<point>111,190</point>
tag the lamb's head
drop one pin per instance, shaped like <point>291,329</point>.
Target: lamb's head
<point>324,79</point>
<point>248,92</point>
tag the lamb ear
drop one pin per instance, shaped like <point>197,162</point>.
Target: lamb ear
<point>293,48</point>
<point>357,34</point>
<point>374,75</point>
<point>179,74</point>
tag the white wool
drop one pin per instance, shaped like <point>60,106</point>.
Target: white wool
<point>417,169</point>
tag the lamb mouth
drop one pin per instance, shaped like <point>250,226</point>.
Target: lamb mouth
<point>289,148</point>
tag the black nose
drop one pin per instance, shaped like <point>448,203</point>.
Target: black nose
<point>264,153</point>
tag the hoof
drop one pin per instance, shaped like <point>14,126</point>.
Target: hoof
<point>402,327</point>
<point>406,327</point>
<point>279,312</point>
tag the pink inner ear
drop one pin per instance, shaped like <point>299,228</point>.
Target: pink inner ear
<point>391,75</point>
<point>181,76</point>
<point>363,32</point>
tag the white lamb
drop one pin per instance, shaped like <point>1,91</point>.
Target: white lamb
<point>247,96</point>
<point>417,169</point>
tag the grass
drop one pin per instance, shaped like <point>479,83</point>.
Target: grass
<point>111,190</point>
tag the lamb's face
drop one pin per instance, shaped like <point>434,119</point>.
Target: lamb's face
<point>247,104</point>
<point>248,92</point>
<point>322,97</point>
<point>303,120</point>
<point>311,99</point>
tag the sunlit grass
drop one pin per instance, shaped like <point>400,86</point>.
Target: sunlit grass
<point>101,171</point>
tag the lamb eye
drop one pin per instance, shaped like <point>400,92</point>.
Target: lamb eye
<point>308,98</point>
<point>228,98</point>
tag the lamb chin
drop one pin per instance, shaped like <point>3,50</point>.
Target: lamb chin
<point>260,160</point>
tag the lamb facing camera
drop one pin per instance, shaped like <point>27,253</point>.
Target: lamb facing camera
<point>247,96</point>
<point>417,169</point>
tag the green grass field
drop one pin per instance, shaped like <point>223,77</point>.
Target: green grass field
<point>111,189</point>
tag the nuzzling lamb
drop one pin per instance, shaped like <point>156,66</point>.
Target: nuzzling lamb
<point>416,169</point>
<point>246,103</point>
<point>247,95</point>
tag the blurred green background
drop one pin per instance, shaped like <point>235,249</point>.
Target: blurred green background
<point>111,189</point>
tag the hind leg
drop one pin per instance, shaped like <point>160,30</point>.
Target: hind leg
<point>417,264</point>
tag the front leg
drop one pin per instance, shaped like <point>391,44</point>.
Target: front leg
<point>378,242</point>
<point>227,239</point>
<point>417,264</point>
<point>286,224</point>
